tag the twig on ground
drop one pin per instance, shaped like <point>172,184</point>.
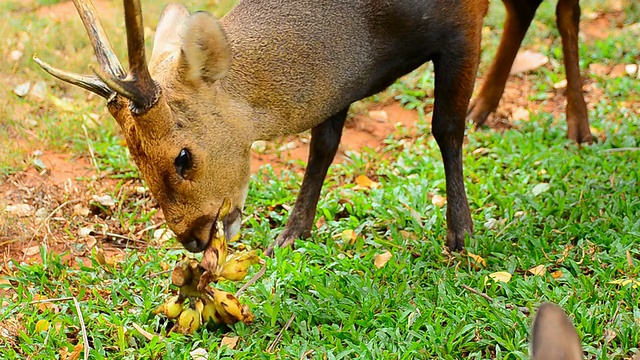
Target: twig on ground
<point>151,227</point>
<point>83,329</point>
<point>251,281</point>
<point>622,149</point>
<point>145,333</point>
<point>279,337</point>
<point>522,309</point>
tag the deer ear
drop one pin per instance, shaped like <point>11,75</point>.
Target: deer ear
<point>167,40</point>
<point>205,51</point>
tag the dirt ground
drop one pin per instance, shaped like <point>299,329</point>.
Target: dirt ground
<point>59,207</point>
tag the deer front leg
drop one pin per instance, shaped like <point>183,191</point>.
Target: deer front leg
<point>519,16</point>
<point>325,139</point>
<point>568,20</point>
<point>454,79</point>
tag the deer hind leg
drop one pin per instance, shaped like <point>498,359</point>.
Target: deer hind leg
<point>325,139</point>
<point>519,16</point>
<point>568,20</point>
<point>454,78</point>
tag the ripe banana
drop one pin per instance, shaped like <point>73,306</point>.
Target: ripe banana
<point>229,308</point>
<point>172,307</point>
<point>237,266</point>
<point>205,303</point>
<point>189,321</point>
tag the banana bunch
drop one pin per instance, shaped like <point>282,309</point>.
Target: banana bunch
<point>198,303</point>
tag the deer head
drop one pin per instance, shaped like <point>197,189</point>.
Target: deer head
<point>174,115</point>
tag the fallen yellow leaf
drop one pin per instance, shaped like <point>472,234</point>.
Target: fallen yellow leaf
<point>381,259</point>
<point>503,276</point>
<point>42,325</point>
<point>364,182</point>
<point>229,341</point>
<point>538,270</point>
<point>478,259</point>
<point>438,200</point>
<point>557,274</point>
<point>349,236</point>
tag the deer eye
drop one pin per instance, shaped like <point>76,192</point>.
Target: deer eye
<point>183,162</point>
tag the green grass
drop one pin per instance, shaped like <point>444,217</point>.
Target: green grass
<point>585,225</point>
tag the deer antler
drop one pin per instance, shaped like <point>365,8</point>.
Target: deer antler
<point>137,85</point>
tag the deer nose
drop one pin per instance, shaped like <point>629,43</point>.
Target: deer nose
<point>194,245</point>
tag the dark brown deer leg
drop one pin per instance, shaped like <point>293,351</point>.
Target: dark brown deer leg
<point>519,16</point>
<point>325,139</point>
<point>454,79</point>
<point>568,19</point>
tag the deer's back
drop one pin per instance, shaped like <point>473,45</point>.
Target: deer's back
<point>326,54</point>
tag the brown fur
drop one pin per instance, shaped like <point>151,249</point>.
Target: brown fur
<point>553,337</point>
<point>275,67</point>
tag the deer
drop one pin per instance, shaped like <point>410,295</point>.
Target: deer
<point>269,69</point>
<point>553,336</point>
<point>519,17</point>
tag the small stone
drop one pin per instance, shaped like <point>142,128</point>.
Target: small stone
<point>104,200</point>
<point>259,146</point>
<point>22,89</point>
<point>15,55</point>
<point>42,213</point>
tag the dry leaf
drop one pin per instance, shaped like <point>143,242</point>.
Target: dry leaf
<point>364,182</point>
<point>478,259</point>
<point>609,335</point>
<point>349,236</point>
<point>520,114</point>
<point>629,259</point>
<point>80,209</point>
<point>599,69</point>
<point>503,276</point>
<point>538,270</point>
<point>618,71</point>
<point>528,60</point>
<point>321,222</point>
<point>557,274</point>
<point>438,200</point>
<point>230,341</point>
<point>30,251</point>
<point>381,259</point>
<point>19,210</point>
<point>74,355</point>
<point>540,188</point>
<point>145,333</point>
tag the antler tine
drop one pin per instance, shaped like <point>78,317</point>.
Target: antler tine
<point>147,90</point>
<point>101,46</point>
<point>91,83</point>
